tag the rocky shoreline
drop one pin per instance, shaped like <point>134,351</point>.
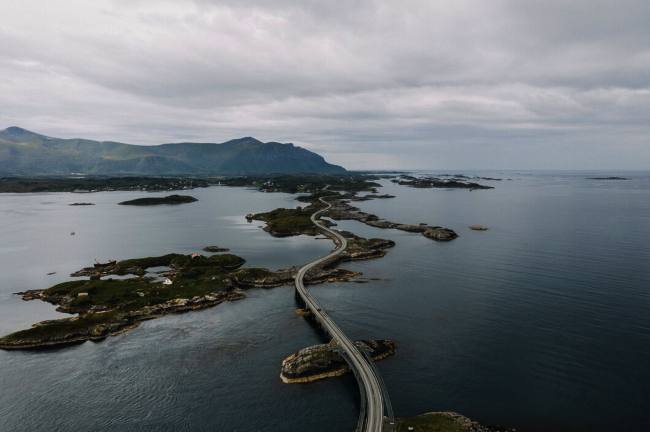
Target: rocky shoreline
<point>323,361</point>
<point>455,182</point>
<point>283,222</point>
<point>103,324</point>
<point>444,421</point>
<point>107,306</point>
<point>341,210</point>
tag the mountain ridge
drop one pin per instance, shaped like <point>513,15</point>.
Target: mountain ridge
<point>23,152</point>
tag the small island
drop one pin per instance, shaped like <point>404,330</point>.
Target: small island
<point>169,200</point>
<point>458,182</point>
<point>284,222</point>
<point>215,249</point>
<point>323,361</point>
<point>82,204</point>
<point>607,178</point>
<point>444,421</point>
<point>107,307</point>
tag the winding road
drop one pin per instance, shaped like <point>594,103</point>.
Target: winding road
<point>371,418</point>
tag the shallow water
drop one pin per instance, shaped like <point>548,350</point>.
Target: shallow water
<point>541,323</point>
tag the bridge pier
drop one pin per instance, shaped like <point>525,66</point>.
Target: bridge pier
<point>299,300</point>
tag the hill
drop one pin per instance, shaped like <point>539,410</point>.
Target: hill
<point>23,152</point>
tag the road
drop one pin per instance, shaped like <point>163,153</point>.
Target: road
<point>372,417</point>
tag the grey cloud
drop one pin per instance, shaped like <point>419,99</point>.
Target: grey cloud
<point>365,83</point>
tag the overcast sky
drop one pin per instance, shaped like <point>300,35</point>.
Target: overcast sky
<point>368,84</point>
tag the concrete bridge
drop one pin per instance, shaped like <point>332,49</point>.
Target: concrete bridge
<point>376,411</point>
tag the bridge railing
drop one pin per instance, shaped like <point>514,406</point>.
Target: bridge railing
<point>362,393</point>
<point>382,384</point>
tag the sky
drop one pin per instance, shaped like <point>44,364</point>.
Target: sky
<point>499,84</point>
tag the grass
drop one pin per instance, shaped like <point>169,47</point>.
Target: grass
<point>63,184</point>
<point>306,183</point>
<point>253,273</point>
<point>287,222</point>
<point>196,276</point>
<point>431,422</point>
<point>65,329</point>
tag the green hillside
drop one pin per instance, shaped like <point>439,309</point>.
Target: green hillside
<point>27,153</point>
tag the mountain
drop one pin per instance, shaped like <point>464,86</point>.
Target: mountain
<point>27,153</point>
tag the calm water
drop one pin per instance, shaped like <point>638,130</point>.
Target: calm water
<point>541,323</point>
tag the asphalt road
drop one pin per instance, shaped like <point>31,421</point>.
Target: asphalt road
<point>374,405</point>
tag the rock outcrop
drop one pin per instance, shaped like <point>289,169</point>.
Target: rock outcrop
<point>341,210</point>
<point>323,361</point>
<point>444,421</point>
<point>459,182</point>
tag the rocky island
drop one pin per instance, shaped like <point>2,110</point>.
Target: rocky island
<point>215,249</point>
<point>607,178</point>
<point>169,200</point>
<point>443,421</point>
<point>284,222</point>
<point>322,361</point>
<point>107,306</point>
<point>436,182</point>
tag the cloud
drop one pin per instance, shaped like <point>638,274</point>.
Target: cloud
<point>374,84</point>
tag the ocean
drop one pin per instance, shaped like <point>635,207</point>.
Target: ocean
<point>540,323</point>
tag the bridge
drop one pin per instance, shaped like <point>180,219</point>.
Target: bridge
<point>376,411</point>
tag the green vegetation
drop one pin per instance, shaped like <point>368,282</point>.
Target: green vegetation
<point>459,182</point>
<point>194,276</point>
<point>253,273</point>
<point>313,183</point>
<point>108,305</point>
<point>95,184</point>
<point>27,153</point>
<point>136,266</point>
<point>170,200</point>
<point>432,422</point>
<point>67,330</point>
<point>283,222</point>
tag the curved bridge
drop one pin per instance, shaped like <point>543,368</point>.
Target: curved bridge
<point>374,396</point>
